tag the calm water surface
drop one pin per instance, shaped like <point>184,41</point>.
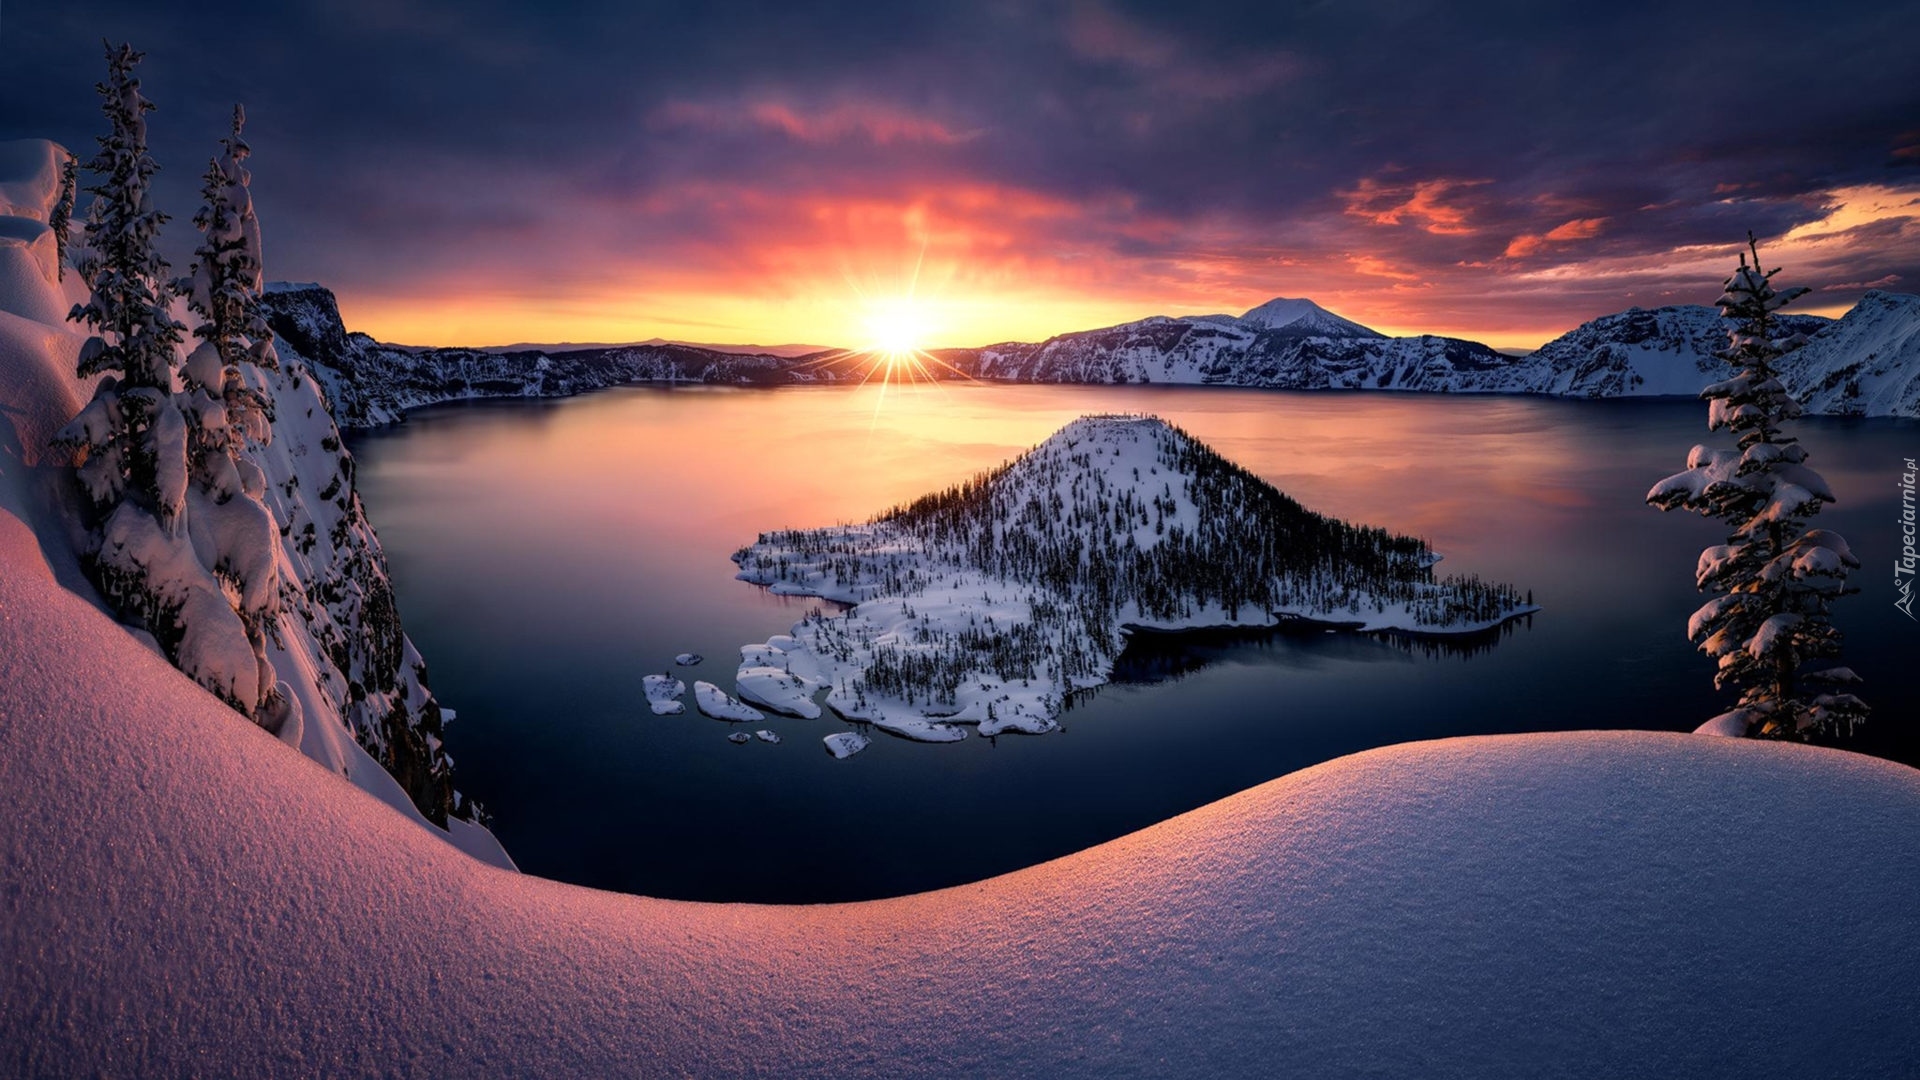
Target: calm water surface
<point>549,554</point>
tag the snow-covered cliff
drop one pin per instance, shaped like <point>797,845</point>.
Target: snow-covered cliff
<point>371,384</point>
<point>358,700</point>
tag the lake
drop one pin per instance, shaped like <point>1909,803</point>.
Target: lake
<point>548,554</point>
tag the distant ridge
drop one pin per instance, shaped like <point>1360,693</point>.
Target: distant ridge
<point>1864,364</point>
<point>794,349</point>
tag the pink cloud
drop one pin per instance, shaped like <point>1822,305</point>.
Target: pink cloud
<point>1534,243</point>
<point>1433,205</point>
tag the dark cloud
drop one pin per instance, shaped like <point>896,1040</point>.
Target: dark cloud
<point>1408,143</point>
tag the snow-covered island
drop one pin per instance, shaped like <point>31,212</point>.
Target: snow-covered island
<point>987,603</point>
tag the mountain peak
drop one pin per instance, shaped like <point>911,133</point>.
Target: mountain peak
<point>1304,318</point>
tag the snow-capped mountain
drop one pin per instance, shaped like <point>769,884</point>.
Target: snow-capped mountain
<point>1303,318</point>
<point>987,603</point>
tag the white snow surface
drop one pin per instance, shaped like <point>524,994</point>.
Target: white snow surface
<point>772,678</point>
<point>182,894</point>
<point>720,705</point>
<point>663,694</point>
<point>845,744</point>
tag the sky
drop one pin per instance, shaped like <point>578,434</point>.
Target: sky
<point>477,172</point>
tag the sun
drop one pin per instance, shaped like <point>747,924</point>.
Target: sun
<point>897,328</point>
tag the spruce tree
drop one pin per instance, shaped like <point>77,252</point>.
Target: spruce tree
<point>1774,580</point>
<point>138,441</point>
<point>61,220</point>
<point>229,402</point>
<point>165,551</point>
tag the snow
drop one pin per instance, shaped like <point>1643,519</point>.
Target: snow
<point>688,659</point>
<point>663,694</point>
<point>845,744</point>
<point>1303,317</point>
<point>718,704</point>
<point>766,736</point>
<point>740,738</point>
<point>181,893</point>
<point>767,677</point>
<point>1492,907</point>
<point>330,571</point>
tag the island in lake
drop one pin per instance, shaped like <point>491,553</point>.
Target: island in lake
<point>986,604</point>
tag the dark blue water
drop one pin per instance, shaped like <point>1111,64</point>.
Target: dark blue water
<point>549,554</point>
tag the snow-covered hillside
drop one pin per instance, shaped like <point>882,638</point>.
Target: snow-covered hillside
<point>357,687</point>
<point>1639,352</point>
<point>1865,364</point>
<point>1284,344</point>
<point>988,603</point>
<point>181,895</point>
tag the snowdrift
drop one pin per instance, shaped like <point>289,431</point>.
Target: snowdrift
<point>182,893</point>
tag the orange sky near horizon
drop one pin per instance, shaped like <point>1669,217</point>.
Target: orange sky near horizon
<point>972,265</point>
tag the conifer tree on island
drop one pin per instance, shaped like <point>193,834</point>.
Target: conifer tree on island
<point>181,544</point>
<point>1774,580</point>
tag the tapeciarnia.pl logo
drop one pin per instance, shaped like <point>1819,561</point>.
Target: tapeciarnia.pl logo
<point>1904,566</point>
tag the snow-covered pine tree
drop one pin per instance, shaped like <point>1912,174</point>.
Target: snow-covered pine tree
<point>61,220</point>
<point>1774,579</point>
<point>231,400</point>
<point>164,552</point>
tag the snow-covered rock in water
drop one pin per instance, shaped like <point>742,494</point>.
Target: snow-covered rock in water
<point>845,744</point>
<point>739,738</point>
<point>986,604</point>
<point>663,694</point>
<point>767,678</point>
<point>688,659</point>
<point>766,736</point>
<point>718,704</point>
